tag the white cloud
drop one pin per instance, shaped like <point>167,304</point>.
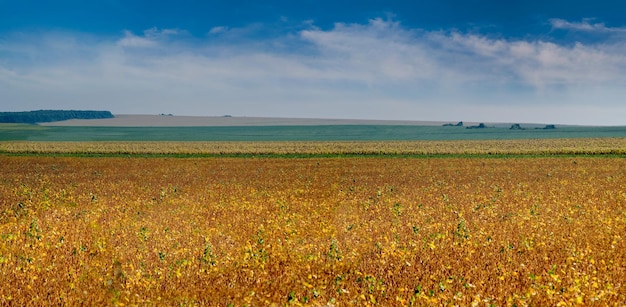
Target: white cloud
<point>151,38</point>
<point>131,40</point>
<point>383,51</point>
<point>584,25</point>
<point>375,70</point>
<point>218,30</point>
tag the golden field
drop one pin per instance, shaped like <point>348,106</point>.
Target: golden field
<point>592,146</point>
<point>312,231</point>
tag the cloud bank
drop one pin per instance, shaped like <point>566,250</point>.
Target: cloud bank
<point>375,70</point>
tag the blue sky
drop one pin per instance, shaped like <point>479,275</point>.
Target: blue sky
<point>486,61</point>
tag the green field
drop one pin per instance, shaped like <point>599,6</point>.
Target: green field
<point>14,132</point>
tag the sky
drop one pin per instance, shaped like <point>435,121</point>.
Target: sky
<point>558,62</point>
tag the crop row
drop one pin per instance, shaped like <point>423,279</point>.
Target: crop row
<point>532,146</point>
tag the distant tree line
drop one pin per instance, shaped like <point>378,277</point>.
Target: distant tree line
<point>482,126</point>
<point>518,127</point>
<point>42,116</point>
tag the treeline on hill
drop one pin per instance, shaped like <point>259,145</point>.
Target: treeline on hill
<point>42,116</point>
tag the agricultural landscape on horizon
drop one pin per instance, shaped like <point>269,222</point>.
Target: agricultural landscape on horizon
<point>106,127</point>
<point>313,153</point>
<point>486,222</point>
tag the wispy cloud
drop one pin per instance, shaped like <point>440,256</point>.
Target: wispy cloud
<point>132,40</point>
<point>218,30</point>
<point>379,69</point>
<point>585,25</point>
<point>151,38</point>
